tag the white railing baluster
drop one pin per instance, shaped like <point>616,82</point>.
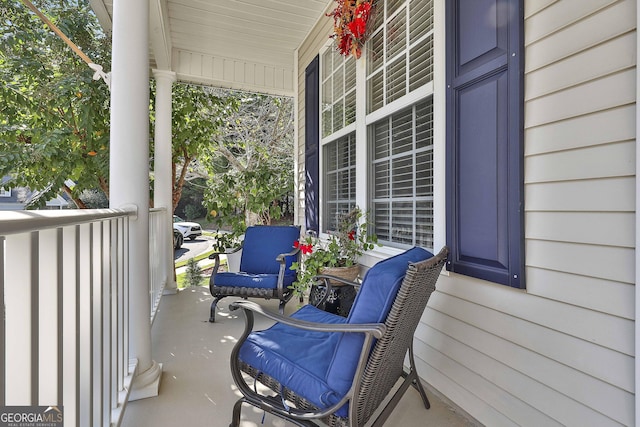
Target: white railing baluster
<point>18,320</point>
<point>64,290</point>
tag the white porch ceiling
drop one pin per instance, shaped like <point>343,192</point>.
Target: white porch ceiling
<point>240,44</point>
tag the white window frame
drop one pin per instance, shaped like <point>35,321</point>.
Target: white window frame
<point>5,191</point>
<point>436,89</point>
<point>410,99</point>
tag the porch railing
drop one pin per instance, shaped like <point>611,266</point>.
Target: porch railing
<point>157,271</point>
<point>64,291</point>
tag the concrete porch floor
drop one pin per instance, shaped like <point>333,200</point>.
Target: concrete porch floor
<point>196,388</point>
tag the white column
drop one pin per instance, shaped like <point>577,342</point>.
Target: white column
<point>129,173</point>
<point>163,187</point>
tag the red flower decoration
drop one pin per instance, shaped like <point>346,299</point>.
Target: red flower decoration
<point>350,18</point>
<point>352,235</point>
<point>304,248</point>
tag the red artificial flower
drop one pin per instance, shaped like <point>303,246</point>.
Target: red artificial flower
<point>358,27</point>
<point>344,45</point>
<point>307,249</point>
<point>352,235</point>
<point>296,244</point>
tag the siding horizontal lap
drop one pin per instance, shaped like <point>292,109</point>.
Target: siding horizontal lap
<point>534,367</point>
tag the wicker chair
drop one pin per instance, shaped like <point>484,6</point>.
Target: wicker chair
<point>322,366</point>
<point>267,254</point>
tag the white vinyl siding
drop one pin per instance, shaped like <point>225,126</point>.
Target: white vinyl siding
<point>561,352</point>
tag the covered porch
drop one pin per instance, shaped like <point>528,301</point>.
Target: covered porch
<point>560,351</point>
<point>196,387</point>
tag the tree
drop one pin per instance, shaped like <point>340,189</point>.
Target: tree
<point>198,114</point>
<point>250,166</point>
<point>54,121</point>
<point>55,118</point>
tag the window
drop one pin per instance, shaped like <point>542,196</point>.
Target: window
<point>401,170</point>
<point>394,94</point>
<point>338,91</point>
<point>338,82</point>
<point>400,52</point>
<point>400,112</point>
<point>5,191</point>
<point>339,179</point>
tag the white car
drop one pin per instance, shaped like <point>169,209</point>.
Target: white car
<point>189,230</point>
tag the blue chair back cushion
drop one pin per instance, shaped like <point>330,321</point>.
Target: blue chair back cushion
<point>372,305</point>
<point>263,243</point>
<point>318,365</point>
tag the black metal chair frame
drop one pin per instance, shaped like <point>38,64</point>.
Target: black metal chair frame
<point>378,370</point>
<point>281,292</point>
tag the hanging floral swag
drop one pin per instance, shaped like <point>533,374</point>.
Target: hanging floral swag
<point>350,18</point>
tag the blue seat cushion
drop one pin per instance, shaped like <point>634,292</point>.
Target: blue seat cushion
<point>297,359</point>
<point>372,305</point>
<point>249,280</point>
<point>263,243</point>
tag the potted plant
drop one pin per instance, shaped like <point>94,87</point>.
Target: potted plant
<point>337,256</point>
<point>229,243</point>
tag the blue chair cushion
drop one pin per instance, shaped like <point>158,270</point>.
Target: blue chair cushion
<point>372,305</point>
<point>249,280</point>
<point>263,243</point>
<point>297,359</point>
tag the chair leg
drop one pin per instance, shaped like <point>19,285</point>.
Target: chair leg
<point>235,417</point>
<point>214,304</point>
<point>416,382</point>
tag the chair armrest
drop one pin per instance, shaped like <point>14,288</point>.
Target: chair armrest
<point>370,330</point>
<point>282,257</point>
<point>375,329</point>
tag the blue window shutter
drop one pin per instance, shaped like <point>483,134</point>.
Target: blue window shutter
<point>312,145</point>
<point>485,211</point>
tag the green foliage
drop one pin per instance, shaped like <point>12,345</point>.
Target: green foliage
<point>198,116</point>
<point>343,248</point>
<point>194,211</point>
<point>251,167</point>
<point>226,241</point>
<point>54,120</point>
<point>192,274</point>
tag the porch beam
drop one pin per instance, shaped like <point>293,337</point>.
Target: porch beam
<point>129,173</point>
<point>161,45</point>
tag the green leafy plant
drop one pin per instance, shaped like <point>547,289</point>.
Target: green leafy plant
<point>226,240</point>
<point>193,276</point>
<point>343,248</point>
